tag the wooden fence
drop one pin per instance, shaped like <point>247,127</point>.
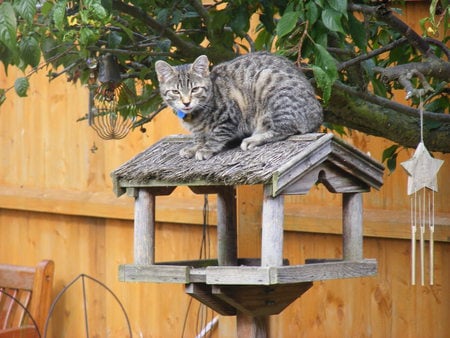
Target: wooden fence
<point>56,202</point>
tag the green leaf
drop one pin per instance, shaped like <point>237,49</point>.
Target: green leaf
<point>26,9</point>
<point>391,163</point>
<point>107,5</point>
<point>325,71</point>
<point>98,11</point>
<point>8,26</point>
<point>324,82</point>
<point>114,39</point>
<point>240,21</point>
<point>389,152</point>
<point>338,5</point>
<point>287,23</point>
<point>87,36</point>
<point>358,32</point>
<point>29,51</point>
<point>59,14</point>
<point>21,86</point>
<point>264,40</point>
<point>312,12</point>
<point>332,20</point>
<point>325,61</point>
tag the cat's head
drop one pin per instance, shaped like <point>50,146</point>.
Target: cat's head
<point>187,87</point>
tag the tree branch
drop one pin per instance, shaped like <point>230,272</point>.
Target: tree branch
<point>360,113</point>
<point>200,9</point>
<point>363,57</point>
<point>385,103</point>
<point>185,48</point>
<point>384,14</point>
<point>434,68</point>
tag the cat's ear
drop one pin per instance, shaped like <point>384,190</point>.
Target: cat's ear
<point>201,66</point>
<point>163,70</point>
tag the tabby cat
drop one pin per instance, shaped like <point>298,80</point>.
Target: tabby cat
<point>254,99</point>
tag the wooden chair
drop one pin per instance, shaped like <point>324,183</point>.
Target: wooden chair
<point>23,287</point>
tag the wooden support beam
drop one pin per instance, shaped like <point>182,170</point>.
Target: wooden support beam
<point>226,226</point>
<point>144,227</point>
<point>251,327</point>
<point>352,226</point>
<point>272,229</point>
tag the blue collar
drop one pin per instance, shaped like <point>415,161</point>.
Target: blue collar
<point>181,114</point>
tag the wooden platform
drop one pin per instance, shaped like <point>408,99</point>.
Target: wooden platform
<point>247,275</point>
<point>252,290</point>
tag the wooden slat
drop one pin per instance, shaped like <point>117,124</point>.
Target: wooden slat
<point>383,223</point>
<point>290,274</point>
<point>154,273</point>
<point>17,277</point>
<point>272,229</point>
<point>144,227</point>
<point>259,301</point>
<point>352,226</point>
<point>326,271</point>
<point>203,294</point>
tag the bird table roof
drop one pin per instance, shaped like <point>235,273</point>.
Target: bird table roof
<point>281,164</point>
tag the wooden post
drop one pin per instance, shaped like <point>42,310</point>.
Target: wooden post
<point>272,229</point>
<point>226,226</point>
<point>352,215</point>
<point>144,227</point>
<point>251,327</point>
<point>271,255</point>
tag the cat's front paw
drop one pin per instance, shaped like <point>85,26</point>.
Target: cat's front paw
<point>250,143</point>
<point>203,154</point>
<point>188,152</point>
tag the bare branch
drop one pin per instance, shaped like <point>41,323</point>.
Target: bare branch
<point>435,68</point>
<point>363,57</point>
<point>405,81</point>
<point>441,45</point>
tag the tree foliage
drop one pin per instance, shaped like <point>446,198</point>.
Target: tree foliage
<point>356,53</point>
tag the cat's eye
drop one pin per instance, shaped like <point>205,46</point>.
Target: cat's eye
<point>195,90</point>
<point>174,92</point>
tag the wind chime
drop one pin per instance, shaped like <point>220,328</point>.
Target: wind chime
<point>422,172</point>
<point>109,101</point>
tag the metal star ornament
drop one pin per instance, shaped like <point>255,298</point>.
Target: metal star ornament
<point>422,170</point>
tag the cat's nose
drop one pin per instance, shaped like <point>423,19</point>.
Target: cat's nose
<point>186,104</point>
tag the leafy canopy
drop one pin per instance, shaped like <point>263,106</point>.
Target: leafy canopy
<point>352,51</point>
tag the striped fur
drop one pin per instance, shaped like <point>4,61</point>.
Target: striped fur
<point>254,99</point>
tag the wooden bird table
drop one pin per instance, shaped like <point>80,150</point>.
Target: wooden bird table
<point>251,289</point>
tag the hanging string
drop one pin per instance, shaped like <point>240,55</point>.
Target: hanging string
<point>421,118</point>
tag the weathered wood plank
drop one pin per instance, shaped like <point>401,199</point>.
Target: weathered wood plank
<point>272,229</point>
<point>203,294</point>
<point>144,228</point>
<point>352,226</point>
<point>314,154</point>
<point>154,273</point>
<point>226,226</point>
<point>261,300</point>
<point>244,275</point>
<point>325,271</point>
<point>355,162</point>
<point>251,327</point>
<point>290,274</point>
